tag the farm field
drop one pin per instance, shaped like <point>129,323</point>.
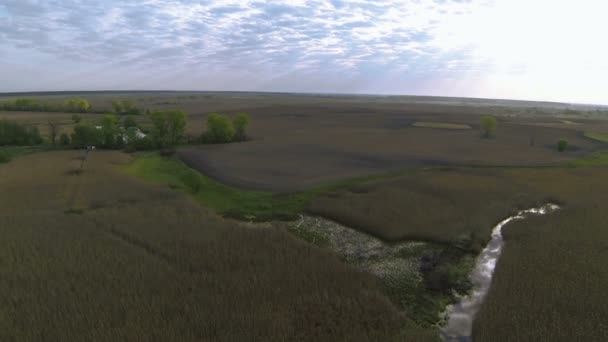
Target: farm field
<point>137,247</point>
<point>103,256</point>
<point>307,140</point>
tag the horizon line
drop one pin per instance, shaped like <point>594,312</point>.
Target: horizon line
<point>50,92</point>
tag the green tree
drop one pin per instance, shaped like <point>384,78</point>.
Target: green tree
<point>176,120</point>
<point>117,107</point>
<point>562,145</point>
<point>240,123</point>
<point>13,133</point>
<point>129,122</point>
<point>488,126</point>
<point>168,127</point>
<point>219,129</point>
<point>77,105</point>
<point>109,128</point>
<point>86,135</point>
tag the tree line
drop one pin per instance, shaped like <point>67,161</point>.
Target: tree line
<point>76,105</point>
<point>166,129</point>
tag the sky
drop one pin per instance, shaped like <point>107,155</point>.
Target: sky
<point>515,49</point>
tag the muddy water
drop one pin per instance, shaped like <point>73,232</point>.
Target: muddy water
<point>460,315</point>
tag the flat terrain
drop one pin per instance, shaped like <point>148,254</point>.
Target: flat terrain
<point>295,148</point>
<point>103,256</point>
<point>300,141</point>
<point>549,283</point>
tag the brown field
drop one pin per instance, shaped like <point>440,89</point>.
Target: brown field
<point>41,120</point>
<point>138,262</point>
<point>295,148</point>
<point>549,283</point>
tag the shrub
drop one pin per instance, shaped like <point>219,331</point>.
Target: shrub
<point>219,129</point>
<point>192,181</point>
<point>562,145</point>
<point>4,157</point>
<point>64,139</point>
<point>488,126</point>
<point>76,118</point>
<point>130,149</point>
<point>142,144</point>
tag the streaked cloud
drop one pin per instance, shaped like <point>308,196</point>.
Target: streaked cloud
<point>442,47</point>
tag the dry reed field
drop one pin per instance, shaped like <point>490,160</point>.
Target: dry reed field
<point>103,256</point>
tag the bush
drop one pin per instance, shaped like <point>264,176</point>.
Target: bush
<point>219,129</point>
<point>64,139</point>
<point>76,118</point>
<point>4,157</point>
<point>192,181</point>
<point>488,126</point>
<point>562,145</point>
<point>167,152</point>
<point>142,144</point>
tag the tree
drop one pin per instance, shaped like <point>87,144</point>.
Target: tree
<point>168,127</point>
<point>562,145</point>
<point>53,128</point>
<point>13,133</point>
<point>117,106</point>
<point>129,122</point>
<point>125,107</point>
<point>488,126</point>
<point>176,120</point>
<point>219,129</point>
<point>109,129</point>
<point>240,123</point>
<point>86,135</point>
<point>77,105</point>
<point>76,118</point>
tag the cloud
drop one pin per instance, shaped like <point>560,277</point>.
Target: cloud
<point>292,45</point>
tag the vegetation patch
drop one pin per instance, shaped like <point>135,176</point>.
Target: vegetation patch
<point>597,136</point>
<point>228,201</point>
<point>441,125</point>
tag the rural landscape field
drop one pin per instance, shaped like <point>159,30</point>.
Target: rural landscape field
<point>218,216</point>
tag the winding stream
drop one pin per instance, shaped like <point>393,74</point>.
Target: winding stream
<point>460,315</point>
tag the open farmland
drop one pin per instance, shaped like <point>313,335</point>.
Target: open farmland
<point>134,261</point>
<point>300,141</point>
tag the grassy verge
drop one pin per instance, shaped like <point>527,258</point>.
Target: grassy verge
<point>597,136</point>
<point>442,125</point>
<point>232,202</point>
<point>8,153</point>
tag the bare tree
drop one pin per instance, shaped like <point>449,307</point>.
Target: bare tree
<point>53,131</point>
